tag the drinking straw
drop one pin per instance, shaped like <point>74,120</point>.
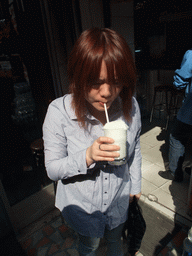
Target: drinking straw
<point>106,114</point>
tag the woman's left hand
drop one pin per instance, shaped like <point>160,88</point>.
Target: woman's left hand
<point>132,196</point>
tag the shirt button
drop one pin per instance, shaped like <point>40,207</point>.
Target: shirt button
<point>105,178</point>
<point>105,192</point>
<point>105,204</point>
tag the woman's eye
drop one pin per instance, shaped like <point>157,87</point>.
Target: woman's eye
<point>96,85</point>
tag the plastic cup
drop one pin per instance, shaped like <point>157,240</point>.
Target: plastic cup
<point>120,138</point>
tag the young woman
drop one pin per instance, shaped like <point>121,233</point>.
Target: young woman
<point>92,195</point>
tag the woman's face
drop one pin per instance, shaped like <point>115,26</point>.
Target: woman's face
<point>101,93</point>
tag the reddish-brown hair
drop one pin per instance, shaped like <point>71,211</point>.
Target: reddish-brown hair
<point>93,46</point>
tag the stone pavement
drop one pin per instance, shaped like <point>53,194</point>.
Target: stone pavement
<point>56,239</point>
<point>175,246</point>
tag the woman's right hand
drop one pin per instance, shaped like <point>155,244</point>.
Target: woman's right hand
<point>101,150</point>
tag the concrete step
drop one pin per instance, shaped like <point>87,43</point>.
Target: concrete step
<point>162,226</point>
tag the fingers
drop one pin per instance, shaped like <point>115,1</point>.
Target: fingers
<point>106,140</point>
<point>102,150</point>
<point>105,152</point>
<point>138,196</point>
<point>105,144</point>
<point>108,147</point>
<point>105,155</point>
<point>131,197</point>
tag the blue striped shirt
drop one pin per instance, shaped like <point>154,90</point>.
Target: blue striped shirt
<point>90,199</point>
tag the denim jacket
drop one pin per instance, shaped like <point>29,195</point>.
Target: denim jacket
<point>183,80</point>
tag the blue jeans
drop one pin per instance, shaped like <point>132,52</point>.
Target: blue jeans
<point>178,140</point>
<point>88,245</point>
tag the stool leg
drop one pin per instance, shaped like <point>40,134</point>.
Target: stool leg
<point>151,116</point>
<point>176,105</point>
<point>167,123</point>
<point>168,104</point>
<point>161,104</point>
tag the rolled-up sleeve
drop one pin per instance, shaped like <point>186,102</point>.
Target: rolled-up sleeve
<point>183,75</point>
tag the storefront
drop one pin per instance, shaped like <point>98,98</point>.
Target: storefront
<point>26,89</point>
<point>35,41</point>
<point>36,38</point>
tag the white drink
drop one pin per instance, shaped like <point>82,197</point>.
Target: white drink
<point>117,130</point>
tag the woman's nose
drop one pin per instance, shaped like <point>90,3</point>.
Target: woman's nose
<point>105,90</point>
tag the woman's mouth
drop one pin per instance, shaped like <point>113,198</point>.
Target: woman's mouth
<point>102,103</point>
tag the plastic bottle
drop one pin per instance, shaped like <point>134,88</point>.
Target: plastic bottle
<point>187,244</point>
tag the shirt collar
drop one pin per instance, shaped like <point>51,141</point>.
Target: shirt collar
<point>68,106</point>
<point>115,108</point>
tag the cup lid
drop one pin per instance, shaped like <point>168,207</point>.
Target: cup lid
<point>116,125</point>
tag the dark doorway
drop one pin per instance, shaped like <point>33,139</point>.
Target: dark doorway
<point>26,52</point>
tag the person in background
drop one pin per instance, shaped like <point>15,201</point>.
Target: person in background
<point>182,128</point>
<point>92,195</point>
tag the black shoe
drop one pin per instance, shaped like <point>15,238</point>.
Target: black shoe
<point>162,136</point>
<point>168,175</point>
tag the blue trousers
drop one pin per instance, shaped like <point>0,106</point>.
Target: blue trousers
<point>88,245</point>
<point>179,137</point>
